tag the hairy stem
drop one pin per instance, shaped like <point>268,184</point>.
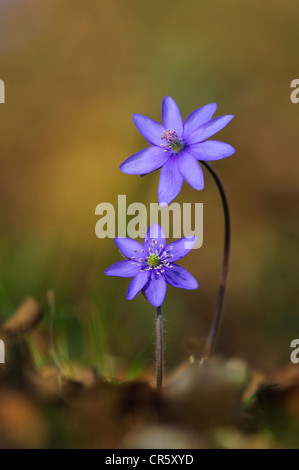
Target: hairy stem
<point>159,348</point>
<point>211,341</point>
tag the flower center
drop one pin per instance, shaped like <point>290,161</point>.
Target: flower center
<point>153,259</point>
<point>171,141</point>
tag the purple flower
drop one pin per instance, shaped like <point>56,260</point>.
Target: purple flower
<point>152,265</point>
<point>176,147</point>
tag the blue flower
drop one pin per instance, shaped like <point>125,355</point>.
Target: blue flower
<point>176,147</point>
<point>152,265</point>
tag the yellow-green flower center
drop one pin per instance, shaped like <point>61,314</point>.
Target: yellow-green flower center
<point>171,141</point>
<point>153,259</point>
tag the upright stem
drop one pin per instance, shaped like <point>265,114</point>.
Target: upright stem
<point>211,341</point>
<point>159,348</point>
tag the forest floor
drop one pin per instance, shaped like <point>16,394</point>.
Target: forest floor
<point>223,404</point>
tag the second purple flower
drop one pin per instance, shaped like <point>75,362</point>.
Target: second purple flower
<point>152,265</point>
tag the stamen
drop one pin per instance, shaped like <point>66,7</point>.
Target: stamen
<point>172,141</point>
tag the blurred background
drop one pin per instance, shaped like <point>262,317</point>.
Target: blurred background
<point>74,75</point>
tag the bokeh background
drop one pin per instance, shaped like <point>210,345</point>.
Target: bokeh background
<point>75,73</point>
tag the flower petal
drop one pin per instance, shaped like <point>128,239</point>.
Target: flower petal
<point>180,248</point>
<point>137,284</point>
<point>198,118</point>
<point>155,289</point>
<point>170,182</point>
<point>154,232</point>
<point>209,128</point>
<point>191,171</point>
<point>211,150</point>
<point>180,277</point>
<point>127,247</point>
<point>171,116</point>
<point>145,161</point>
<point>124,268</point>
<point>150,129</point>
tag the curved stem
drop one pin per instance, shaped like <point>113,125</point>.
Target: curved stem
<point>159,348</point>
<point>211,341</point>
